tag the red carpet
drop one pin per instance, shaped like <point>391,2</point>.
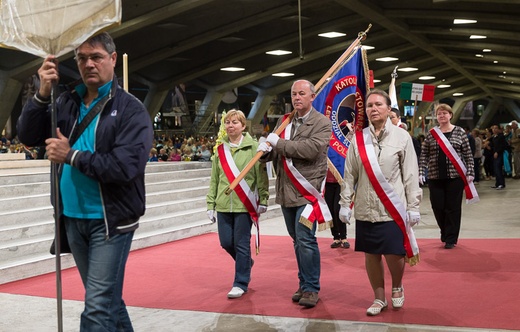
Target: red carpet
<point>474,285</point>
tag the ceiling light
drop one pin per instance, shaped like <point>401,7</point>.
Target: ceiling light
<point>232,69</point>
<point>426,78</point>
<point>278,52</point>
<point>387,59</point>
<point>458,94</point>
<point>477,37</point>
<point>283,74</point>
<point>377,81</point>
<point>443,86</point>
<point>332,34</point>
<point>463,21</point>
<point>486,50</point>
<point>367,47</point>
<point>407,69</point>
<point>479,55</point>
<point>495,61</point>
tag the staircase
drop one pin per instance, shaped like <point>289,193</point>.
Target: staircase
<point>175,209</point>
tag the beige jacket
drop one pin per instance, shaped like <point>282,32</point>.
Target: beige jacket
<point>515,140</point>
<point>308,150</point>
<point>398,162</point>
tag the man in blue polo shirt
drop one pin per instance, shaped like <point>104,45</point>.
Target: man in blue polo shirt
<point>102,142</point>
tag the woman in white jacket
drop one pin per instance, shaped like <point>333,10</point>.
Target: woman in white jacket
<point>378,232</point>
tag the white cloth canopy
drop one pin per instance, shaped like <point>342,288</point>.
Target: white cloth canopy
<point>43,27</point>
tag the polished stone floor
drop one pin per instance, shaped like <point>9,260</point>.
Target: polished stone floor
<point>495,216</point>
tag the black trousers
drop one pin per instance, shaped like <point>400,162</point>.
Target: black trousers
<point>446,200</point>
<point>338,229</point>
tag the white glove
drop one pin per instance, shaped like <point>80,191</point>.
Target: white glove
<point>272,138</point>
<point>264,147</point>
<point>344,215</point>
<point>261,209</point>
<point>422,180</point>
<point>470,178</point>
<point>212,215</point>
<point>413,218</point>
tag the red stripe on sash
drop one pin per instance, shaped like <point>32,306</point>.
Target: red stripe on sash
<point>392,210</point>
<point>469,189</point>
<point>238,189</point>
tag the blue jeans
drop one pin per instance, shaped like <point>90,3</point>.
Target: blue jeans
<point>234,232</point>
<point>305,248</point>
<point>101,265</point>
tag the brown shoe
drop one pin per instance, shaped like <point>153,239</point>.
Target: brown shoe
<point>297,295</point>
<point>309,299</point>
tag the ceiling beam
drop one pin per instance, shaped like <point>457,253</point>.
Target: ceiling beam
<point>401,29</point>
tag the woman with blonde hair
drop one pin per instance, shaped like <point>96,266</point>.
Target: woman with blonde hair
<point>235,213</point>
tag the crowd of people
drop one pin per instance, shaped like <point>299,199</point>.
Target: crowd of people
<point>14,146</point>
<point>181,148</point>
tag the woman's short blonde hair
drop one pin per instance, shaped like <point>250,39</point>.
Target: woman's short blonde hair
<point>443,107</point>
<point>235,113</point>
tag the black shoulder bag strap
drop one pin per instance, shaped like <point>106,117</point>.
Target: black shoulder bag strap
<point>80,128</point>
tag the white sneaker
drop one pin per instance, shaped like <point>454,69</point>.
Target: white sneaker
<point>235,292</point>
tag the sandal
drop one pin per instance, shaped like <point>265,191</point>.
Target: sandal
<point>376,307</point>
<point>398,302</point>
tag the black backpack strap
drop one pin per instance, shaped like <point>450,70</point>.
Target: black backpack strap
<point>80,128</point>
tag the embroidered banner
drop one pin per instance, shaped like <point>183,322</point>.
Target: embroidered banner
<point>342,100</point>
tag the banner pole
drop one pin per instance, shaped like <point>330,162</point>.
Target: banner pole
<point>56,203</point>
<point>361,36</point>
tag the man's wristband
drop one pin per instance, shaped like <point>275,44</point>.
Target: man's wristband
<point>40,99</point>
<point>71,157</point>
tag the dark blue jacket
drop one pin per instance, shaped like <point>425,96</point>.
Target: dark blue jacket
<point>124,138</point>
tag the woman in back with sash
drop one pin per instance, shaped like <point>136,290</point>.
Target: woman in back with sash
<point>381,178</point>
<point>445,153</point>
<point>235,213</point>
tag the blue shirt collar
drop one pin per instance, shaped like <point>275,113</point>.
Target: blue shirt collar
<point>103,90</point>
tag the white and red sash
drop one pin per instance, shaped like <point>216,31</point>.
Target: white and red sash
<point>243,191</point>
<point>469,187</point>
<point>386,193</point>
<point>318,209</point>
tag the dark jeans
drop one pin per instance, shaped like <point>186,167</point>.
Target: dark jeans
<point>101,264</point>
<point>488,165</point>
<point>305,248</point>
<point>234,232</point>
<point>476,162</point>
<point>498,165</point>
<point>446,200</point>
<point>338,229</point>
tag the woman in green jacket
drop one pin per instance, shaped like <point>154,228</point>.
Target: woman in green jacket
<point>237,211</point>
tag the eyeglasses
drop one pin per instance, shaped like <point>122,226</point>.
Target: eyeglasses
<point>96,58</point>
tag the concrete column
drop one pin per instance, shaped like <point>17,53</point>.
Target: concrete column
<point>9,92</point>
<point>488,115</point>
<point>155,99</point>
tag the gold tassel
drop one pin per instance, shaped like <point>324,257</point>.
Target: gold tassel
<point>413,260</point>
<point>306,222</point>
<point>324,226</point>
